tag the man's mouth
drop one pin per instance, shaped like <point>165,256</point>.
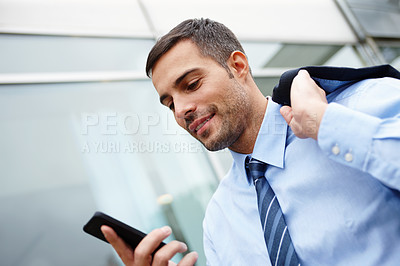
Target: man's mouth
<point>199,123</point>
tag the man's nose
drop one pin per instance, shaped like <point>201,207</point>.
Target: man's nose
<point>183,109</point>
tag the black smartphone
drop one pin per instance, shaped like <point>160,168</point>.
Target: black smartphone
<point>130,235</point>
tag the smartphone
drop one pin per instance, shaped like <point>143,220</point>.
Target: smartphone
<point>130,235</point>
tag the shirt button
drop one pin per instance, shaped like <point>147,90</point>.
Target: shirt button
<point>336,149</point>
<point>348,157</point>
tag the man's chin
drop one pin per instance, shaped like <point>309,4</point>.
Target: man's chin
<point>214,142</point>
<point>214,146</point>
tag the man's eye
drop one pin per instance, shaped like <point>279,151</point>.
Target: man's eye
<point>171,106</point>
<point>193,85</point>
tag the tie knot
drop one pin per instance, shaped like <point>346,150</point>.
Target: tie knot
<point>255,168</point>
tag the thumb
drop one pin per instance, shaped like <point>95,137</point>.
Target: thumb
<point>286,112</point>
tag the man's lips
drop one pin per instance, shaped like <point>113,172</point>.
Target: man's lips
<point>199,123</point>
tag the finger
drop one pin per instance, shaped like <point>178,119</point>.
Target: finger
<point>123,250</point>
<point>150,243</point>
<point>286,112</point>
<point>302,81</point>
<point>166,253</point>
<point>189,260</point>
<point>304,78</point>
<point>303,74</point>
<point>297,129</point>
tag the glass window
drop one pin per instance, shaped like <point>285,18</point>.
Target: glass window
<point>34,53</point>
<point>70,149</point>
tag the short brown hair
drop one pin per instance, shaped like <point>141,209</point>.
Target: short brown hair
<point>213,39</point>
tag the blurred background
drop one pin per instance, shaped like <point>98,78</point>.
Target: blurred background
<point>82,129</point>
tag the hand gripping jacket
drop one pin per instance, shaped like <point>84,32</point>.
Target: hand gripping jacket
<point>330,78</point>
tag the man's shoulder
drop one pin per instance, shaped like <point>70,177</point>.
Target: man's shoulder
<point>224,191</point>
<point>223,185</point>
<point>215,205</point>
<point>368,91</point>
<point>385,85</point>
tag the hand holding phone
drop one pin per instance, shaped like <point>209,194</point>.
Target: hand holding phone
<point>130,235</point>
<point>150,248</point>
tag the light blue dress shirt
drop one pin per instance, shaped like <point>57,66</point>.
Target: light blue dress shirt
<point>340,195</point>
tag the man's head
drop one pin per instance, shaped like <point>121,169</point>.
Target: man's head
<point>213,39</point>
<point>201,73</point>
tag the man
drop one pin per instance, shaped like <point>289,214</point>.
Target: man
<point>335,170</point>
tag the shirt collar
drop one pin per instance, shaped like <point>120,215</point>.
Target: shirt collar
<point>239,159</point>
<point>270,143</point>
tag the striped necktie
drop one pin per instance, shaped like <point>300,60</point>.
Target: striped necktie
<point>276,234</point>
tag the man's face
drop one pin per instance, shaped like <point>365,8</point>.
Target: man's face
<point>205,101</point>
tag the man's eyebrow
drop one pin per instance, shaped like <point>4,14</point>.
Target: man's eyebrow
<point>177,82</point>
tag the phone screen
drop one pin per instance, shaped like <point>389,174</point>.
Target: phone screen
<point>130,235</point>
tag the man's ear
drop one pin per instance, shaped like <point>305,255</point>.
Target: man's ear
<point>238,64</point>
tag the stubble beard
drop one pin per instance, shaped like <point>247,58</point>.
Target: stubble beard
<point>233,117</point>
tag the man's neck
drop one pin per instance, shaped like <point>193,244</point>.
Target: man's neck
<point>245,143</point>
